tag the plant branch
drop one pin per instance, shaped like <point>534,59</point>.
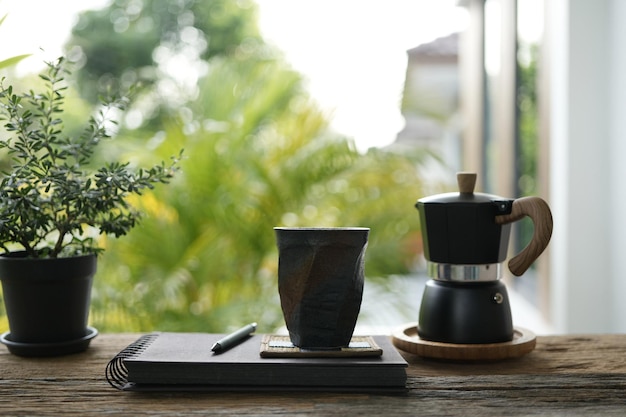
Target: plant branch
<point>49,189</point>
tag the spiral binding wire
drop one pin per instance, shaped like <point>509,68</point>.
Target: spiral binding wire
<point>116,372</point>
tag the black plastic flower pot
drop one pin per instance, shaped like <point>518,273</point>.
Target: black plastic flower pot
<point>47,303</point>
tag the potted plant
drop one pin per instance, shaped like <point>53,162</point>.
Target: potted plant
<point>53,206</point>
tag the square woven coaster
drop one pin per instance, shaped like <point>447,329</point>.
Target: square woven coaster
<point>278,346</point>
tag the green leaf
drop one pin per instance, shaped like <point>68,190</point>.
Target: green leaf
<point>13,60</point>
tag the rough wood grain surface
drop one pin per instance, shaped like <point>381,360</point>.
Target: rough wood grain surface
<point>564,376</point>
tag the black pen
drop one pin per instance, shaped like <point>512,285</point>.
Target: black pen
<point>232,339</point>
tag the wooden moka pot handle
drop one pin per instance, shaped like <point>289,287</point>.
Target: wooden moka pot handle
<point>539,211</point>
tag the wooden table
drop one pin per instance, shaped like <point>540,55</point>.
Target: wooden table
<point>565,375</point>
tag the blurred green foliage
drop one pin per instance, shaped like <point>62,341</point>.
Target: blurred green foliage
<point>128,43</point>
<point>259,154</point>
<point>528,139</point>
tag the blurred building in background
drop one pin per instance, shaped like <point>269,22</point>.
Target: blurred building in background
<point>430,106</point>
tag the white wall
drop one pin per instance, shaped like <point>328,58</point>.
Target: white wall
<point>617,160</point>
<point>588,164</point>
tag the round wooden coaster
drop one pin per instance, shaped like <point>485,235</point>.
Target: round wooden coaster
<point>407,340</point>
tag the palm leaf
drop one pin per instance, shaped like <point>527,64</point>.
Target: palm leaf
<point>12,61</point>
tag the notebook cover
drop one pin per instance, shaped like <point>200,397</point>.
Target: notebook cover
<point>184,361</point>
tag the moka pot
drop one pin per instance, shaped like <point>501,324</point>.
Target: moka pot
<point>465,237</point>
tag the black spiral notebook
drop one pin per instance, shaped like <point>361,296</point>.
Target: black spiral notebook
<point>184,362</point>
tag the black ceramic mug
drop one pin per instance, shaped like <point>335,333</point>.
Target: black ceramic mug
<point>320,283</point>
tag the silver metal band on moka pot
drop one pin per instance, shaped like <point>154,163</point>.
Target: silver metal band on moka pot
<point>465,273</point>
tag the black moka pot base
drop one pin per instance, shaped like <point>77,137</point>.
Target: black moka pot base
<point>465,313</point>
<point>407,339</point>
